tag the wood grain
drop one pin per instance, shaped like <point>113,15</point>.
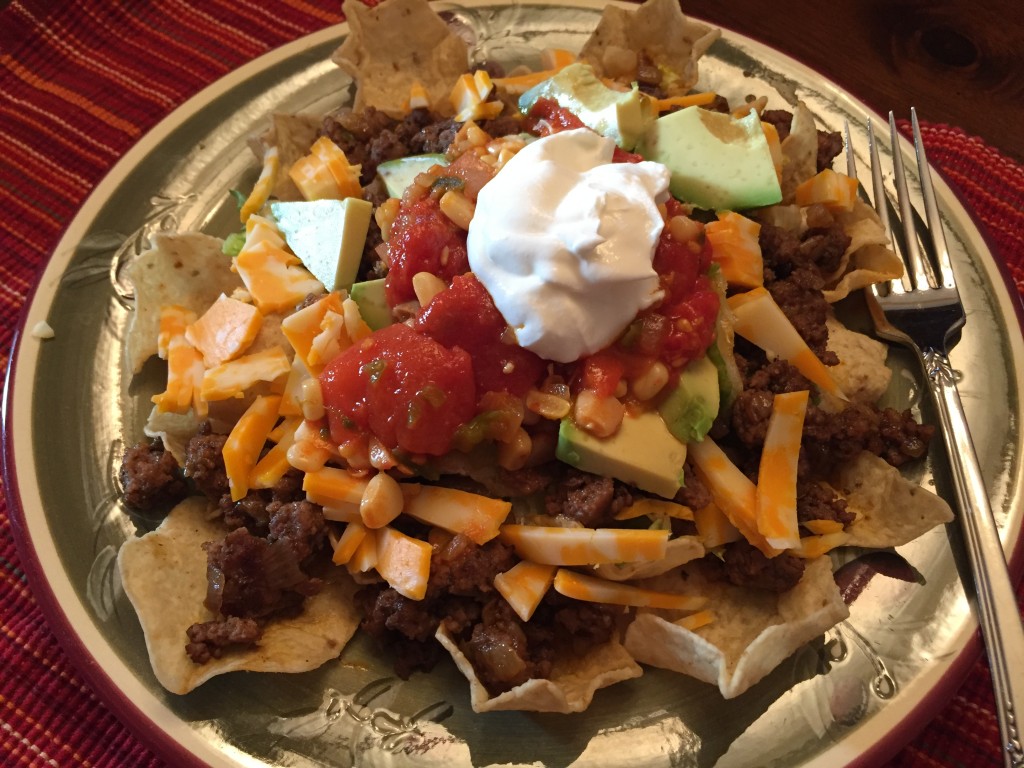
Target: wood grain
<point>960,63</point>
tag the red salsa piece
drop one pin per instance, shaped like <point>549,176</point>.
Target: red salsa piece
<point>690,303</point>
<point>408,390</point>
<point>465,317</point>
<point>422,239</point>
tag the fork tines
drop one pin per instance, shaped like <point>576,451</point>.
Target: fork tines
<point>921,243</point>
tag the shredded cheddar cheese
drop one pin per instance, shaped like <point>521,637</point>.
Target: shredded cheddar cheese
<point>524,586</point>
<point>245,442</point>
<point>585,546</point>
<point>761,321</point>
<point>777,475</point>
<point>595,590</point>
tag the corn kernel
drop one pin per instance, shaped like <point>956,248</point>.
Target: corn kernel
<point>382,501</point>
<point>600,416</point>
<point>458,208</point>
<point>426,286</point>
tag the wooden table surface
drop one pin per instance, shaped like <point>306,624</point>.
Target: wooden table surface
<point>960,63</point>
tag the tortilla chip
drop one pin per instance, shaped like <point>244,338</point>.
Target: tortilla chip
<point>891,510</point>
<point>188,269</point>
<point>659,29</point>
<point>571,686</point>
<point>679,550</point>
<point>799,152</point>
<point>173,554</point>
<point>394,45</point>
<point>293,135</point>
<point>862,374</point>
<point>752,632</point>
<point>868,258</point>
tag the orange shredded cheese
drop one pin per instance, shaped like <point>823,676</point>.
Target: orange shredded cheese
<point>585,546</point>
<point>301,328</point>
<point>274,277</point>
<point>736,250</point>
<point>333,487</point>
<point>836,191</point>
<point>225,330</point>
<point>732,491</point>
<point>245,442</point>
<point>813,547</point>
<point>655,508</point>
<point>348,543</point>
<point>403,562</point>
<point>681,102</point>
<point>592,589</point>
<point>234,377</point>
<point>264,184</point>
<point>696,620</point>
<point>713,527</point>
<point>776,479</point>
<point>274,464</point>
<point>524,586</point>
<point>761,321</point>
<point>475,516</point>
<point>184,364</point>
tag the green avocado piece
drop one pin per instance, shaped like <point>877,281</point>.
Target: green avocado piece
<point>327,236</point>
<point>717,162</point>
<point>691,408</point>
<point>399,174</point>
<point>643,452</point>
<point>623,116</point>
<point>373,304</point>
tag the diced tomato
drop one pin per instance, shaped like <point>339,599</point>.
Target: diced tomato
<point>690,303</point>
<point>464,316</point>
<point>404,387</point>
<point>547,117</point>
<point>472,171</point>
<point>692,323</point>
<point>422,240</point>
<point>602,373</point>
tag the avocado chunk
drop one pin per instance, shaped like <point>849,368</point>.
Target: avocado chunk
<point>717,162</point>
<point>400,173</point>
<point>691,408</point>
<point>373,305</point>
<point>643,452</point>
<point>327,235</point>
<point>623,116</point>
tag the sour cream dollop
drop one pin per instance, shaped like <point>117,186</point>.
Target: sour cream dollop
<point>563,240</point>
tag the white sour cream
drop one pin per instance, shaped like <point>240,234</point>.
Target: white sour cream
<point>563,240</point>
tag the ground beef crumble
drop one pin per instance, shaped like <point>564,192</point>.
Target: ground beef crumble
<point>150,477</point>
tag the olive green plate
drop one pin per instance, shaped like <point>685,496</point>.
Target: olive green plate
<point>70,409</point>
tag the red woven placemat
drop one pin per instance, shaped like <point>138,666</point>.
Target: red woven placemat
<point>80,83</point>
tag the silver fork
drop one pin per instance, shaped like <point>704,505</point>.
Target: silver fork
<point>922,310</point>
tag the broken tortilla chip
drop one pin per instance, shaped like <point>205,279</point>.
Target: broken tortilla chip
<point>861,374</point>
<point>658,28</point>
<point>293,135</point>
<point>751,634</point>
<point>891,510</point>
<point>173,554</point>
<point>395,45</point>
<point>187,269</point>
<point>799,152</point>
<point>570,688</point>
<point>868,258</point>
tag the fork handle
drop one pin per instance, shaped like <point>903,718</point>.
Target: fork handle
<point>997,602</point>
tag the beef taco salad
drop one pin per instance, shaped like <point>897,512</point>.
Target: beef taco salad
<point>537,370</point>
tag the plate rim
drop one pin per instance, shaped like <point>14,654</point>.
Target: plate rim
<point>154,731</point>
